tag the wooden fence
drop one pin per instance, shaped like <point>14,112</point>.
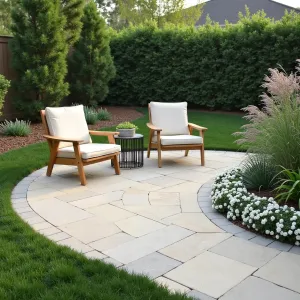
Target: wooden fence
<point>8,111</point>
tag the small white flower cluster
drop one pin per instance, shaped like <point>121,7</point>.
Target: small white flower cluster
<point>265,215</point>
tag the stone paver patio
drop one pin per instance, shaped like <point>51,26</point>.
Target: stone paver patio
<point>159,222</point>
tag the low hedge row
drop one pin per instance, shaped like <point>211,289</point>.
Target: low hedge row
<point>213,67</point>
<point>264,215</point>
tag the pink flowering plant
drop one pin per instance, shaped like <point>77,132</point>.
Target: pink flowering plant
<point>274,130</point>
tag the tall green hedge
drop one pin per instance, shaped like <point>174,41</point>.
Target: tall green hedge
<point>213,67</point>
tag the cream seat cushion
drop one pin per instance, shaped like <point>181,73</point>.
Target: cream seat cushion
<point>68,122</point>
<point>170,117</point>
<point>89,150</point>
<point>180,140</point>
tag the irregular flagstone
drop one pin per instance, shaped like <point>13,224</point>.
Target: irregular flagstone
<point>211,274</point>
<point>58,212</point>
<point>164,181</point>
<point>172,285</point>
<point>161,198</point>
<point>111,241</point>
<point>245,252</point>
<point>95,255</point>
<point>75,245</point>
<point>156,212</point>
<point>135,197</point>
<point>42,194</point>
<point>110,213</point>
<point>138,226</point>
<point>193,221</point>
<point>147,244</point>
<point>189,203</point>
<point>214,263</point>
<point>259,289</point>
<point>90,229</point>
<point>152,265</point>
<point>98,200</point>
<point>283,270</point>
<point>193,245</point>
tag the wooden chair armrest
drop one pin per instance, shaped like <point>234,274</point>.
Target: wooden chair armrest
<point>152,127</point>
<point>197,127</point>
<point>60,139</point>
<point>103,133</point>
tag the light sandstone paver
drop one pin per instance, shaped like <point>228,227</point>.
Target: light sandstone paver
<point>189,203</point>
<point>42,225</point>
<point>193,221</point>
<point>283,270</point>
<point>76,196</point>
<point>147,244</point>
<point>138,225</point>
<point>245,251</point>
<point>211,274</point>
<point>172,285</point>
<point>98,200</point>
<point>112,261</point>
<point>42,194</point>
<point>75,245</point>
<point>58,212</point>
<point>193,245</point>
<point>135,197</point>
<point>164,181</point>
<point>49,231</point>
<point>111,241</point>
<point>259,289</point>
<point>161,198</point>
<point>152,265</point>
<point>95,255</point>
<point>196,295</point>
<point>91,229</point>
<point>110,213</point>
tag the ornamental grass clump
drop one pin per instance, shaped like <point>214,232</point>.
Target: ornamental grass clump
<point>274,130</point>
<point>258,172</point>
<point>15,128</point>
<point>104,114</point>
<point>91,115</point>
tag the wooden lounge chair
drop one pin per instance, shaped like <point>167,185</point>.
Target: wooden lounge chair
<point>170,130</point>
<point>70,143</point>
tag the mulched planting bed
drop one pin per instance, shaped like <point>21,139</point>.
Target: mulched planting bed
<point>119,114</point>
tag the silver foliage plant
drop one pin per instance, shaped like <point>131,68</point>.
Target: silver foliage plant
<point>274,130</point>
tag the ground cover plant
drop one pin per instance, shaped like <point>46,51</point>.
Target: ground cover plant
<point>264,215</point>
<point>32,267</point>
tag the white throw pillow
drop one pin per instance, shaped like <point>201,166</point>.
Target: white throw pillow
<point>68,122</point>
<point>170,117</point>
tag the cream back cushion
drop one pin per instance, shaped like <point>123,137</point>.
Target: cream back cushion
<point>68,122</point>
<point>170,117</point>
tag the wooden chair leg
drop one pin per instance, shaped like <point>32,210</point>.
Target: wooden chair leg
<point>202,156</point>
<point>79,163</point>
<point>53,154</point>
<point>149,144</point>
<point>116,165</point>
<point>186,153</point>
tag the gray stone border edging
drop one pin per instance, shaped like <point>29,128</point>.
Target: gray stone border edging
<point>204,201</point>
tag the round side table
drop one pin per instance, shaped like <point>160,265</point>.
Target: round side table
<point>132,151</point>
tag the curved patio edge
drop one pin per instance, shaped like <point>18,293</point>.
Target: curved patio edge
<point>174,233</point>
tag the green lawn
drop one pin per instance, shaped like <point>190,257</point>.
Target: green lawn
<point>217,137</point>
<point>32,267</point>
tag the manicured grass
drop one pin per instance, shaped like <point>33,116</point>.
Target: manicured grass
<point>217,137</point>
<point>32,267</point>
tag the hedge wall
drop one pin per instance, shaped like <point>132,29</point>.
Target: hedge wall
<point>214,67</point>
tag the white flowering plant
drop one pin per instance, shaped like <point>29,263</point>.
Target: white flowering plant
<point>264,215</point>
